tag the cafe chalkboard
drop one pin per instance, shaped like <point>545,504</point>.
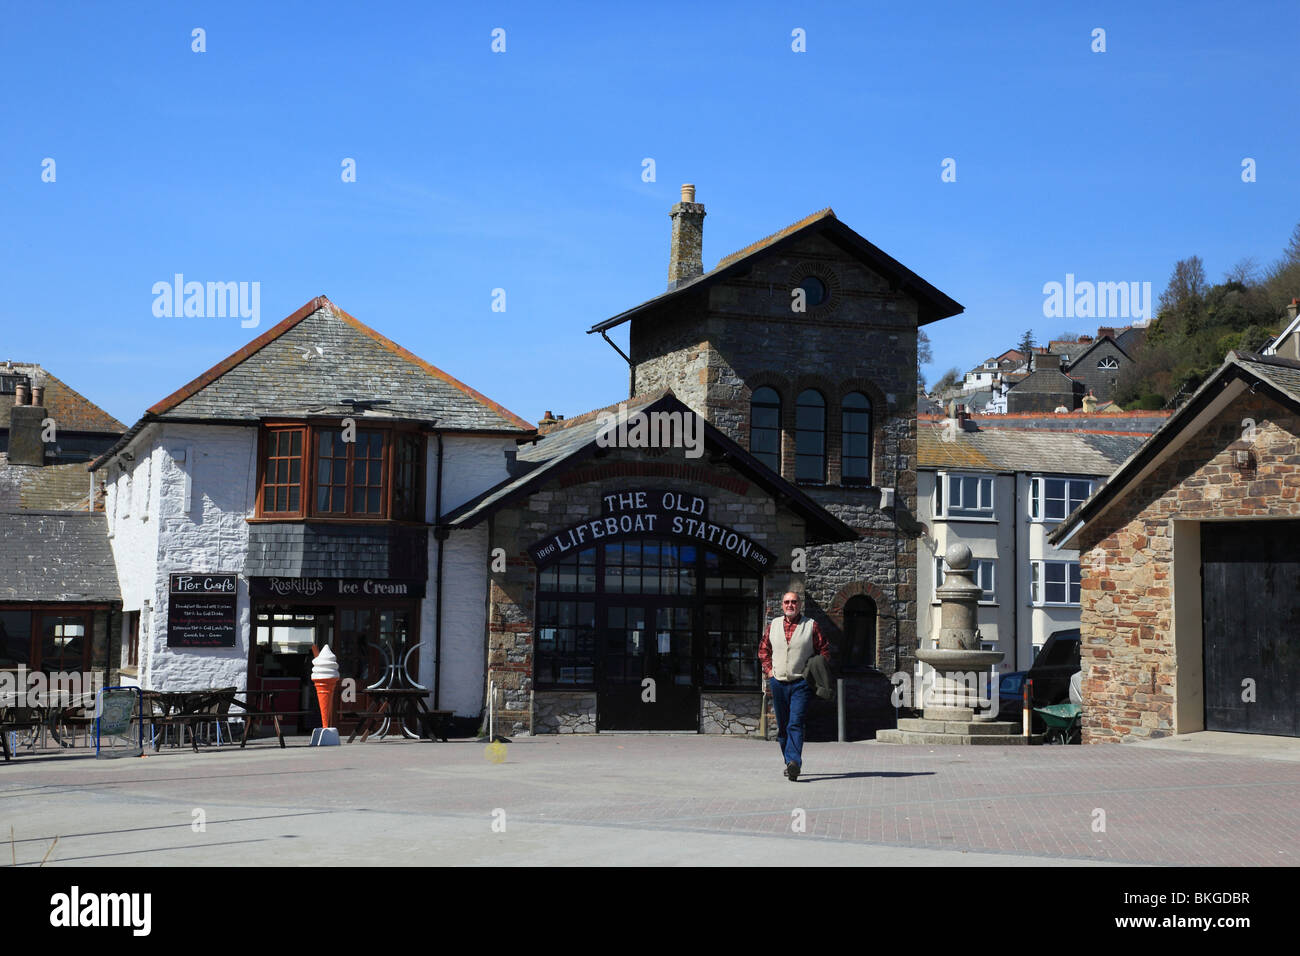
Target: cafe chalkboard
<point>201,610</point>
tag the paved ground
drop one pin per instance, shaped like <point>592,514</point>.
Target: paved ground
<point>633,799</point>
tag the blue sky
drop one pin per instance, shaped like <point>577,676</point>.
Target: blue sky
<point>522,170</point>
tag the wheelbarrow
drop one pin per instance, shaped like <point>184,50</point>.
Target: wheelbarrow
<point>1063,722</point>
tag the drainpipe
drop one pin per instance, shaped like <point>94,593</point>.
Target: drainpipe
<point>440,535</point>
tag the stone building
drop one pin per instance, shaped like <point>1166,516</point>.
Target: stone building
<point>632,581</point>
<point>1045,389</point>
<point>1098,367</point>
<point>801,349</point>
<point>1191,586</point>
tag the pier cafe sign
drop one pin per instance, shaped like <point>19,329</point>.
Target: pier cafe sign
<point>681,516</point>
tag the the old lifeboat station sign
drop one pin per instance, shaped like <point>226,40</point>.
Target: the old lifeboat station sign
<point>670,514</point>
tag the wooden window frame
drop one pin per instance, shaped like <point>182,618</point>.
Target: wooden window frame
<point>310,461</point>
<point>262,460</point>
<point>133,644</point>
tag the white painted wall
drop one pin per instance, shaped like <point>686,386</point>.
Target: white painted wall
<point>198,482</point>
<point>192,487</point>
<point>470,466</point>
<point>1014,539</point>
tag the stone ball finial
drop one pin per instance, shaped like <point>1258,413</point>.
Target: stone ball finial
<point>957,557</point>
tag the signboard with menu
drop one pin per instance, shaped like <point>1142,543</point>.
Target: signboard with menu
<point>201,610</point>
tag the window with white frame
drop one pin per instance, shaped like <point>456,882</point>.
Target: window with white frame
<point>985,577</point>
<point>1051,499</point>
<point>1054,582</point>
<point>963,496</point>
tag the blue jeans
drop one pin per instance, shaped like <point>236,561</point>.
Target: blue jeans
<point>789,700</point>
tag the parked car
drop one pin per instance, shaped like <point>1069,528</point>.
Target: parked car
<point>1056,664</point>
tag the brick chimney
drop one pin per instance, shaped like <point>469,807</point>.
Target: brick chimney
<point>25,445</point>
<point>686,254</point>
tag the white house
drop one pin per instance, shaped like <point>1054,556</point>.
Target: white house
<point>288,498</point>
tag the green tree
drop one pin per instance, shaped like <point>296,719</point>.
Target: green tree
<point>924,356</point>
<point>1026,345</point>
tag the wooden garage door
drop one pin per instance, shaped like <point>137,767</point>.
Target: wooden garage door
<point>1250,589</point>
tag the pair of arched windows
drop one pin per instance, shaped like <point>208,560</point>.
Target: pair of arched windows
<point>810,434</point>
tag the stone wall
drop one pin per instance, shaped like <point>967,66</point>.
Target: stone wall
<point>562,712</point>
<point>738,714</point>
<point>715,348</point>
<point>576,495</point>
<point>1130,670</point>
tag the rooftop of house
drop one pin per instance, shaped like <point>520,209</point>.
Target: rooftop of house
<point>933,304</point>
<point>1029,449</point>
<point>71,410</point>
<point>322,361</point>
<point>57,556</point>
<point>44,488</point>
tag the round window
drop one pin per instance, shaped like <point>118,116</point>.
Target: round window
<point>814,291</point>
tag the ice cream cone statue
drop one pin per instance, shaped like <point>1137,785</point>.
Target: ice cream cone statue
<point>325,675</point>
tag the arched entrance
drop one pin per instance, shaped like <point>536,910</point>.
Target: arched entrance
<point>859,649</point>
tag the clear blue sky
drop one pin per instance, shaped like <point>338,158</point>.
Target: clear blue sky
<point>522,170</point>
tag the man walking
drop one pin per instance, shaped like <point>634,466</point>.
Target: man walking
<point>786,646</point>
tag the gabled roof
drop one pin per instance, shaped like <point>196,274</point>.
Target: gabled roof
<point>574,440</point>
<point>312,363</point>
<point>61,556</point>
<point>932,304</point>
<point>69,408</point>
<point>1105,338</point>
<point>1277,377</point>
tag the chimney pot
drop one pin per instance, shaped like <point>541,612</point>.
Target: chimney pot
<point>686,252</point>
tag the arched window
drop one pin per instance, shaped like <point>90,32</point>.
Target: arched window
<point>859,632</point>
<point>1108,363</point>
<point>855,431</point>
<point>765,427</point>
<point>810,436</point>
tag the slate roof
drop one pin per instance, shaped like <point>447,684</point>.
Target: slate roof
<point>51,556</point>
<point>1276,376</point>
<point>312,362</point>
<point>1046,380</point>
<point>1027,450</point>
<point>69,408</point>
<point>43,488</point>
<point>932,304</point>
<point>573,440</point>
<point>1105,338</point>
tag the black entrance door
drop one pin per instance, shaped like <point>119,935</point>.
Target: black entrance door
<point>648,679</point>
<point>1250,592</point>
